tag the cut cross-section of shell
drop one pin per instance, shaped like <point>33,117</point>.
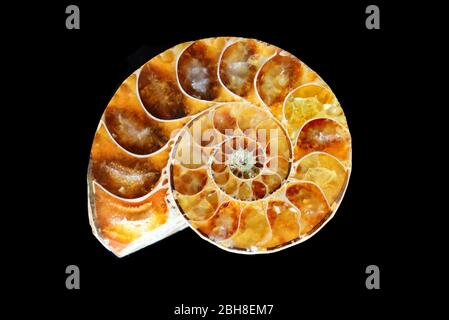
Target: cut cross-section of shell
<point>233,137</point>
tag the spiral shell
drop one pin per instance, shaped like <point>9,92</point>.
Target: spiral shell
<point>233,137</point>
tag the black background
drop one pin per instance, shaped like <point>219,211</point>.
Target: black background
<point>80,70</point>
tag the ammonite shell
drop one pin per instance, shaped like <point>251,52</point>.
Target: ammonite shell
<point>234,137</point>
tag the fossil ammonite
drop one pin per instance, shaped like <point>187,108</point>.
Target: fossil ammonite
<point>233,137</point>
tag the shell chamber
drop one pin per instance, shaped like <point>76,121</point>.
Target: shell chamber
<point>233,137</point>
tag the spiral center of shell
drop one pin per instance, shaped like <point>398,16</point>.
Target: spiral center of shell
<point>243,161</point>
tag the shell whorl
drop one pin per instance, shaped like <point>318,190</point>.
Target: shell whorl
<point>233,137</point>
